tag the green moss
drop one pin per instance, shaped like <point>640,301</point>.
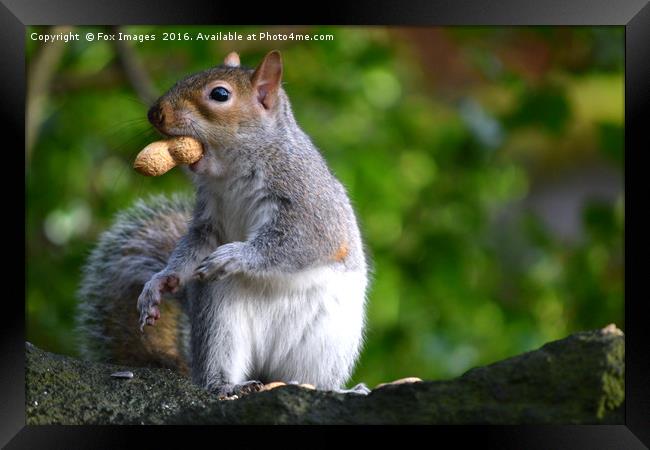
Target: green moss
<point>579,379</point>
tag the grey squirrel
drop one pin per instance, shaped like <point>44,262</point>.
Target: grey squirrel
<point>263,279</point>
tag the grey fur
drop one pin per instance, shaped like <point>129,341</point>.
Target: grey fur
<point>264,296</point>
<point>137,245</point>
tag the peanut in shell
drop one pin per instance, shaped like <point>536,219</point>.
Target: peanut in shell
<point>159,157</point>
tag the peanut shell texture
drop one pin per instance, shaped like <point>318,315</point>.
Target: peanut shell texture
<point>160,157</point>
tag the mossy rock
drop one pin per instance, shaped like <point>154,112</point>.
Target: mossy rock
<point>576,380</point>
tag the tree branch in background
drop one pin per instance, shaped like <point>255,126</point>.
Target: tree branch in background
<point>134,70</point>
<point>69,83</point>
<point>40,75</point>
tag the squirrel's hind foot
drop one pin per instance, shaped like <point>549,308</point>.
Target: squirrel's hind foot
<point>229,390</point>
<point>359,389</point>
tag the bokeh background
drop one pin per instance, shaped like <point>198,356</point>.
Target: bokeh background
<point>485,164</point>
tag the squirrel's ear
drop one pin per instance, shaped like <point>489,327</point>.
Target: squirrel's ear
<point>266,79</point>
<point>232,60</point>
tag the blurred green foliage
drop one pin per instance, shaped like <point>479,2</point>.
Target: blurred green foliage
<point>437,138</point>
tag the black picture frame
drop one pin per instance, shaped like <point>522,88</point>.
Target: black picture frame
<point>633,14</point>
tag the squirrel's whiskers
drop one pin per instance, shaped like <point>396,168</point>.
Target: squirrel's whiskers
<point>261,278</point>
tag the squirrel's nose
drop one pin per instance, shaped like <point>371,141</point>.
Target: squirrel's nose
<point>155,115</point>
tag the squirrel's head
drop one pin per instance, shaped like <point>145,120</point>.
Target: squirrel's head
<point>223,105</point>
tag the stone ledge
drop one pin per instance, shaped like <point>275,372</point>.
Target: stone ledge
<point>576,380</point>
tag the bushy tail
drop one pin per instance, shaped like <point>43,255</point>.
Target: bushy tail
<point>136,246</point>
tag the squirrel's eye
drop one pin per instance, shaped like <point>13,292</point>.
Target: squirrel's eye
<point>220,94</point>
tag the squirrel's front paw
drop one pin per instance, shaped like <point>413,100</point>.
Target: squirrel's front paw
<point>151,296</point>
<point>226,260</point>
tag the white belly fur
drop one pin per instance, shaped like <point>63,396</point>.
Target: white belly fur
<point>304,327</point>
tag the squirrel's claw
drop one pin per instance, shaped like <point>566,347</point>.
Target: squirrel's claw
<point>225,261</point>
<point>149,317</point>
<point>226,391</point>
<point>207,270</point>
<point>150,299</point>
<point>211,267</point>
<point>145,319</point>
